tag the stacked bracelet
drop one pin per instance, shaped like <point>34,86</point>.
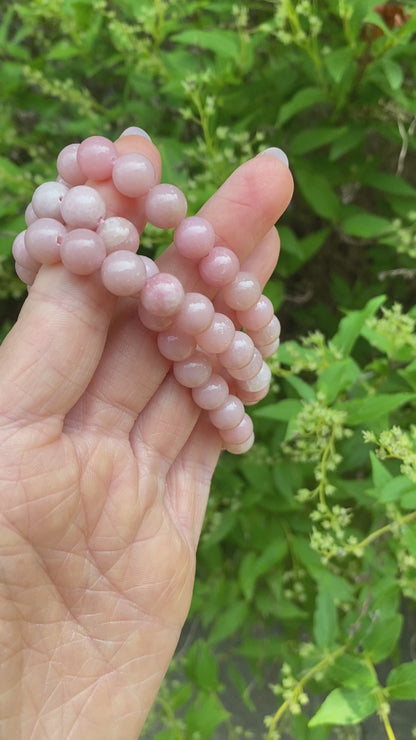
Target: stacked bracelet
<point>67,222</point>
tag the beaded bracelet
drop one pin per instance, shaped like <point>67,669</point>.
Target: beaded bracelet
<point>66,220</point>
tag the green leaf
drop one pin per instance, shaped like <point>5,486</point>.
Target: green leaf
<point>340,588</point>
<point>366,225</point>
<point>345,707</point>
<point>380,474</point>
<point>283,410</point>
<point>394,73</point>
<point>222,42</point>
<point>180,695</point>
<point>339,376</point>
<point>303,99</point>
<point>401,681</point>
<point>408,499</point>
<point>396,490</point>
<point>313,138</point>
<point>377,20</point>
<point>243,688</point>
<point>301,731</point>
<point>364,410</point>
<point>231,620</point>
<point>225,525</point>
<point>345,143</point>
<point>351,325</point>
<point>318,193</point>
<point>295,252</point>
<point>383,637</point>
<point>338,62</point>
<point>286,610</point>
<point>310,243</point>
<point>409,538</point>
<point>169,734</point>
<point>255,565</point>
<point>409,374</point>
<point>352,673</point>
<point>388,183</point>
<point>204,716</point>
<point>201,667</point>
<point>303,389</point>
<point>63,50</point>
<point>325,625</point>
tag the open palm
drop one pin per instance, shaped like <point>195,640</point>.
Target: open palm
<point>105,470</point>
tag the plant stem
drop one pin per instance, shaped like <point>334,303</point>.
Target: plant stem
<point>382,705</point>
<point>326,660</point>
<point>379,532</point>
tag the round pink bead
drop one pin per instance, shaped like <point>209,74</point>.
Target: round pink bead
<point>239,353</point>
<point>47,199</point>
<point>68,167</point>
<point>251,398</point>
<point>218,336</point>
<point>30,215</point>
<point>25,275</point>
<point>135,131</point>
<point>241,433</point>
<point>43,240</point>
<point>196,313</point>
<point>152,322</point>
<point>229,414</point>
<point>63,182</point>
<point>82,251</point>
<point>243,292</point>
<point>96,156</point>
<point>165,206</point>
<point>175,346</point>
<point>133,174</point>
<point>257,316</point>
<point>123,273</point>
<point>247,371</point>
<point>194,237</point>
<point>211,394</point>
<point>193,371</point>
<point>242,447</point>
<point>22,256</point>
<point>258,382</point>
<point>219,267</point>
<point>83,207</point>
<point>268,350</point>
<point>162,294</point>
<point>268,333</point>
<point>150,265</point>
<point>119,233</point>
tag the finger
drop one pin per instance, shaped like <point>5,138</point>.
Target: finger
<point>160,431</point>
<point>242,211</point>
<point>189,479</point>
<point>52,352</point>
<point>125,357</point>
<point>130,370</point>
<point>53,349</point>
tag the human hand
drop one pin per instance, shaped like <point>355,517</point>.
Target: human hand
<point>105,470</point>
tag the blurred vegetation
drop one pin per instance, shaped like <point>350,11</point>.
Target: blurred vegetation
<point>307,563</point>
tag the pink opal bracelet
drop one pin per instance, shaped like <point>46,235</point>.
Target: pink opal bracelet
<point>223,366</point>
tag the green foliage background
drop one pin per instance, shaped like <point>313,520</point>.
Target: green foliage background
<point>307,563</point>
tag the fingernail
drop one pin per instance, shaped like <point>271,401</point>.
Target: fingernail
<point>274,151</point>
<point>135,130</point>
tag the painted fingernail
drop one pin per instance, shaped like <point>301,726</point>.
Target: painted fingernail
<point>274,151</point>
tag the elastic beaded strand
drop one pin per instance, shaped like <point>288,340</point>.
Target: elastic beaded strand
<point>66,220</point>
